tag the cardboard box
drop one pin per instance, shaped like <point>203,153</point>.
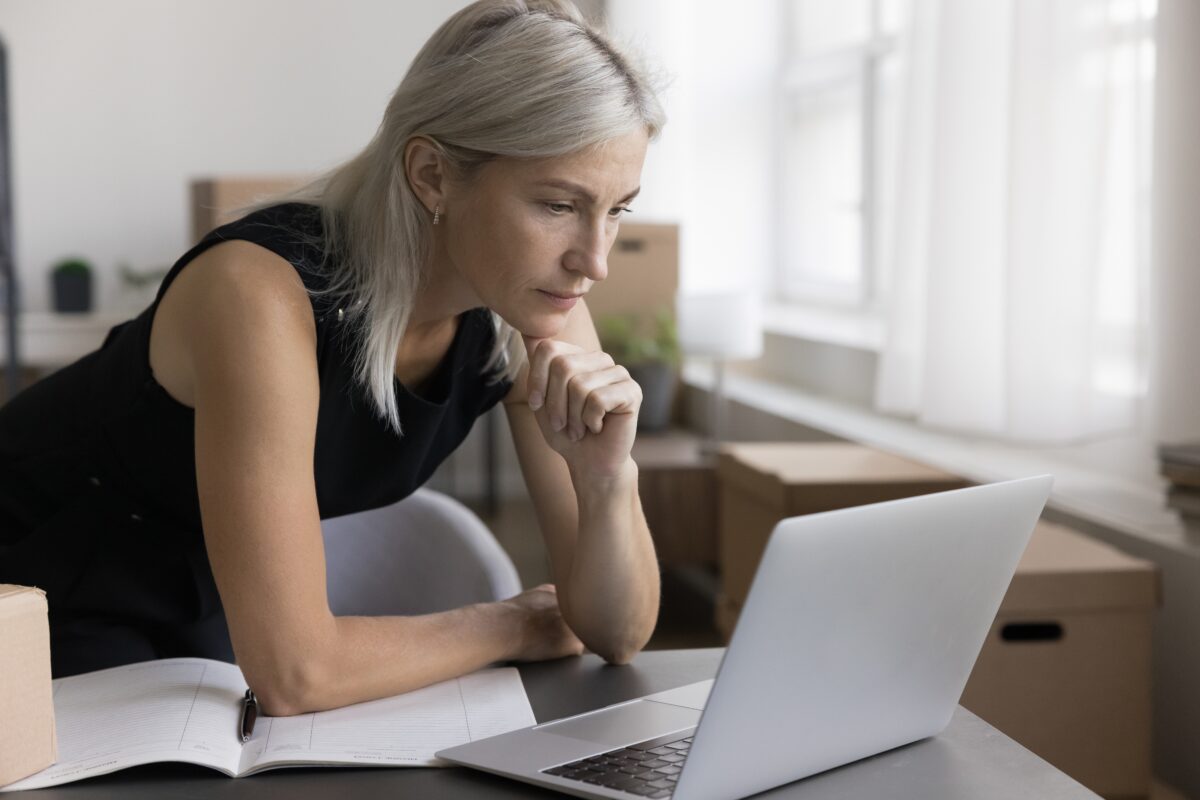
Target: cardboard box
<point>1065,670</point>
<point>643,272</point>
<point>216,200</point>
<point>761,484</point>
<point>27,739</point>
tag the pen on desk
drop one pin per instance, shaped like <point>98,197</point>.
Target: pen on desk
<point>249,715</point>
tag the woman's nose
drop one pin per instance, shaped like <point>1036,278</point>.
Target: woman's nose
<point>589,254</point>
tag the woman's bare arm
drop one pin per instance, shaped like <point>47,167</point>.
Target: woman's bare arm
<point>590,512</point>
<point>237,334</point>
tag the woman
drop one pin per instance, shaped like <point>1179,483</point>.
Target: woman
<point>321,356</point>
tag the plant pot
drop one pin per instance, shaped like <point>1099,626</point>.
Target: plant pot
<point>657,379</point>
<point>72,292</point>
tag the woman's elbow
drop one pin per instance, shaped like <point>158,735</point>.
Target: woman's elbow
<point>624,648</point>
<point>621,657</point>
<point>291,674</point>
<point>291,686</point>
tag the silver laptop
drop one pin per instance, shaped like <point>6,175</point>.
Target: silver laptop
<point>858,636</point>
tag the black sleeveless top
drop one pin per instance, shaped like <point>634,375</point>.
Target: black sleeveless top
<point>98,499</point>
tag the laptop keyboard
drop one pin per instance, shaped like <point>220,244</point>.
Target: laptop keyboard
<point>647,769</point>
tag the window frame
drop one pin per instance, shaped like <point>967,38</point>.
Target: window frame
<point>858,64</point>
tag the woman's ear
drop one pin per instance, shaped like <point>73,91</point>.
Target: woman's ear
<point>425,169</point>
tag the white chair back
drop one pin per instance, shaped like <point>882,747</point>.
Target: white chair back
<point>424,554</point>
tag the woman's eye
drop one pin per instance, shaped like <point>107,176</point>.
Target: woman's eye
<point>619,212</point>
<point>559,208</point>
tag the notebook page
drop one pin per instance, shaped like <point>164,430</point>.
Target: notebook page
<point>405,730</point>
<point>182,709</point>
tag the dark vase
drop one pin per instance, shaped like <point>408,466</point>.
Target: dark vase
<point>72,292</point>
<point>657,380</point>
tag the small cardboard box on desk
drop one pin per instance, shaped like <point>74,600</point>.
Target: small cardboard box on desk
<point>1065,670</point>
<point>762,483</point>
<point>27,740</point>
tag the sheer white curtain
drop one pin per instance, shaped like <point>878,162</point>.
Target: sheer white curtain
<point>1017,303</point>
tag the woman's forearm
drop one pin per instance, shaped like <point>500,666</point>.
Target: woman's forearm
<point>356,659</point>
<point>611,596</point>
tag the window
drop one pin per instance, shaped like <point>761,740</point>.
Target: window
<point>839,123</point>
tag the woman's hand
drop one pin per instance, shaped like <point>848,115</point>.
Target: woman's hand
<point>585,404</point>
<point>544,634</point>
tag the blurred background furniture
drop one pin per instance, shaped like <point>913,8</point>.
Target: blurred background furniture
<point>678,486</point>
<point>50,340</point>
<point>424,554</point>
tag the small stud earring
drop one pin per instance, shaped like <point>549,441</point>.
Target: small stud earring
<point>437,214</point>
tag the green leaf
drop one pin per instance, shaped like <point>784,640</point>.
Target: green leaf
<point>639,338</point>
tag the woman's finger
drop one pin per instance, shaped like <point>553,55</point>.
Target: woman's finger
<point>623,397</point>
<point>541,354</point>
<point>562,369</point>
<point>581,387</point>
<point>535,379</point>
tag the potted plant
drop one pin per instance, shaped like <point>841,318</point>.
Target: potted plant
<point>72,282</point>
<point>140,286</point>
<point>649,348</point>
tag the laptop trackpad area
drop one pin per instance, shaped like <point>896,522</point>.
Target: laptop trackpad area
<point>627,724</point>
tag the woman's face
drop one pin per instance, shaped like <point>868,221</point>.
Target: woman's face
<point>529,237</point>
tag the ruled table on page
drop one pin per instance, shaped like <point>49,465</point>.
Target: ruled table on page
<point>403,730</point>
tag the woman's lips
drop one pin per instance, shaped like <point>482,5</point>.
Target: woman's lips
<point>563,301</point>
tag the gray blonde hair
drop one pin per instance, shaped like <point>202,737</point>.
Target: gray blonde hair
<point>499,79</point>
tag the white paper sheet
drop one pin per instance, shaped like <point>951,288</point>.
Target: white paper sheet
<point>187,709</point>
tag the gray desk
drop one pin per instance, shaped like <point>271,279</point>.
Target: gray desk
<point>969,760</point>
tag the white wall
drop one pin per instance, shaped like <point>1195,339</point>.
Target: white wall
<point>116,105</point>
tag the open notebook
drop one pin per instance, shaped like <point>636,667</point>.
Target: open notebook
<point>187,709</point>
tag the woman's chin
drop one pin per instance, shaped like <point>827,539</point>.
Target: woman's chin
<point>538,326</point>
<point>541,331</point>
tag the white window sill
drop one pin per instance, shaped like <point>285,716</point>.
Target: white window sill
<point>1131,502</point>
<point>861,330</point>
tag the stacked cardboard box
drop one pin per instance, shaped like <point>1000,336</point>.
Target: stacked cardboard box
<point>763,483</point>
<point>27,740</point>
<point>1065,669</point>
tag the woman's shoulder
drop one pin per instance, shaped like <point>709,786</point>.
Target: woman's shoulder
<point>266,259</point>
<point>239,281</point>
<point>241,270</point>
<point>234,299</point>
